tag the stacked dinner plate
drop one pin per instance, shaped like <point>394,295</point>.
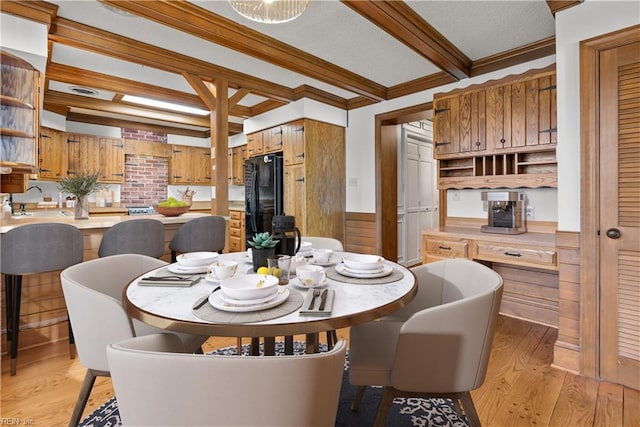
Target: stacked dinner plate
<point>193,262</point>
<point>249,292</point>
<point>306,249</point>
<point>363,266</point>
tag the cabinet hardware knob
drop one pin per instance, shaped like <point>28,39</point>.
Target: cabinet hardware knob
<point>613,233</point>
<point>502,141</point>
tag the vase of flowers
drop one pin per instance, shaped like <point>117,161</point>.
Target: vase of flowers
<point>81,185</point>
<point>263,246</point>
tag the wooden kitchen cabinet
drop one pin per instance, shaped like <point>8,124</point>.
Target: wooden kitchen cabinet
<point>255,144</point>
<point>53,154</point>
<point>527,263</point>
<point>89,153</point>
<point>315,186</point>
<point>498,134</point>
<point>293,143</point>
<point>459,124</point>
<point>272,139</point>
<point>19,114</point>
<point>237,156</point>
<point>190,165</point>
<point>237,230</point>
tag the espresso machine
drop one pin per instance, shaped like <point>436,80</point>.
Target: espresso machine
<point>283,228</point>
<point>507,212</point>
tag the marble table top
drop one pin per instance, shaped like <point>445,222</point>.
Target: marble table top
<point>172,307</point>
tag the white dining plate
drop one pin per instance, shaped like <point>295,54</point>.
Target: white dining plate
<point>296,282</point>
<point>333,260</point>
<point>179,269</point>
<point>239,302</point>
<point>216,300</point>
<point>386,270</point>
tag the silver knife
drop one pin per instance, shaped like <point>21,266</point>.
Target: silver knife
<point>323,299</point>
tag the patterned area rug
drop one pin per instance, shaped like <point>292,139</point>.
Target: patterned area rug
<point>410,412</point>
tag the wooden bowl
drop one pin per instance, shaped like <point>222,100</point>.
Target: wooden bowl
<point>171,211</point>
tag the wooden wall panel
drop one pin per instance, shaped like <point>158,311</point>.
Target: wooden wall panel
<point>360,234</point>
<point>567,346</point>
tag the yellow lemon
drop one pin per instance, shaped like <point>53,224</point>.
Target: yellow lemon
<point>263,270</point>
<point>276,272</point>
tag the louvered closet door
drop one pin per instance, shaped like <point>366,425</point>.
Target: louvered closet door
<point>620,215</point>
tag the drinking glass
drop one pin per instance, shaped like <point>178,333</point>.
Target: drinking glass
<point>279,267</point>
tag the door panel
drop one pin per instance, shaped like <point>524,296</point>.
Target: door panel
<point>620,215</point>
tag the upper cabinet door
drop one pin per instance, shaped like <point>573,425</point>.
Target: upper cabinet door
<point>293,143</point>
<point>111,159</point>
<point>460,124</point>
<point>272,139</point>
<point>255,144</point>
<point>53,155</point>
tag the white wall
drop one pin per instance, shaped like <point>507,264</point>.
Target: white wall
<point>582,22</point>
<point>24,38</point>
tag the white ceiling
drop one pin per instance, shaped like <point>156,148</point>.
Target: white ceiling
<point>328,29</point>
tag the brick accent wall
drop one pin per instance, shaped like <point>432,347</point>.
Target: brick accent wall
<point>142,135</point>
<point>147,177</point>
<point>146,182</point>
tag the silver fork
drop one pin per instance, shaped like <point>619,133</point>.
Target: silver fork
<point>316,293</point>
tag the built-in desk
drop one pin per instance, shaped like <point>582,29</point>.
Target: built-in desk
<point>43,315</point>
<point>527,262</point>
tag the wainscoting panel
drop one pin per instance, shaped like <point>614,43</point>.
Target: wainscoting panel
<point>360,233</point>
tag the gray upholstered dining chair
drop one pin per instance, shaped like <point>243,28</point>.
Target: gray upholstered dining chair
<point>93,293</point>
<point>436,346</point>
<point>324,243</point>
<point>30,249</point>
<point>206,233</point>
<point>144,236</point>
<point>156,384</point>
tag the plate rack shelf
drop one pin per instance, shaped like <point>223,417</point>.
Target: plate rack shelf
<point>533,169</point>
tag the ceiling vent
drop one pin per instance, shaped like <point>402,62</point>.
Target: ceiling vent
<point>82,90</point>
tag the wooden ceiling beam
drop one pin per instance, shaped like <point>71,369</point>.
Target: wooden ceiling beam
<point>202,90</point>
<point>403,23</point>
<point>39,11</point>
<point>558,5</point>
<point>132,124</point>
<point>59,98</point>
<point>92,79</point>
<point>237,97</point>
<point>92,39</point>
<point>199,22</point>
<point>540,49</point>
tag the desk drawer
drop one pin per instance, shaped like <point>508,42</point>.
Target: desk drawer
<point>528,256</point>
<point>235,215</point>
<point>447,248</point>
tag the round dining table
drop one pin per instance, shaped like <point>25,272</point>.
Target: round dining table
<point>354,301</point>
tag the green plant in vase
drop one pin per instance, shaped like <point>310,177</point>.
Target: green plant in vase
<point>262,246</point>
<point>81,185</point>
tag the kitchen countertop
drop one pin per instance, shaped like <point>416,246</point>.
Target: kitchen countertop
<point>99,221</point>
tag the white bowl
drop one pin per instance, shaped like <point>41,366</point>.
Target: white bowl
<point>196,259</point>
<point>363,262</point>
<point>250,286</point>
<point>311,275</point>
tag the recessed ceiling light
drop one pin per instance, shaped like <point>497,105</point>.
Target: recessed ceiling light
<point>82,90</point>
<point>166,105</point>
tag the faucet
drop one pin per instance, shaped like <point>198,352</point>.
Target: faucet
<point>34,186</point>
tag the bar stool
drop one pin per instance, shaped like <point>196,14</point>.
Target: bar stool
<point>32,249</point>
<point>206,233</point>
<point>144,236</point>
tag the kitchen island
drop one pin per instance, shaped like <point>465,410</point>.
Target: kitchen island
<point>43,311</point>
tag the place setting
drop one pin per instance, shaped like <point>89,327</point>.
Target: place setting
<point>193,262</point>
<point>363,268</point>
<point>245,297</point>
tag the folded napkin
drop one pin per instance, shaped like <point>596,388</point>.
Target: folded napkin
<point>169,281</point>
<point>315,310</point>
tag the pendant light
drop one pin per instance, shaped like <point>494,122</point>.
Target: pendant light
<point>270,11</point>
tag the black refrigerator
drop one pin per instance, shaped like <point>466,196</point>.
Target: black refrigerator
<point>263,187</point>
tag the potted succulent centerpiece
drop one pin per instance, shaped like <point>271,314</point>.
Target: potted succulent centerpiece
<point>262,247</point>
<point>81,185</point>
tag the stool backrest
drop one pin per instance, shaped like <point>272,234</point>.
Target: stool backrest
<point>200,234</point>
<point>38,248</point>
<point>144,236</point>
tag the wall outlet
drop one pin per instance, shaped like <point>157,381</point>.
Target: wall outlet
<point>530,212</point>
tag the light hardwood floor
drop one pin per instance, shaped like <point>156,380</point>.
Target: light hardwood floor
<point>521,388</point>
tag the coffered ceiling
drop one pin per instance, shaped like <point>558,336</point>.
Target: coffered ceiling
<point>346,54</point>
